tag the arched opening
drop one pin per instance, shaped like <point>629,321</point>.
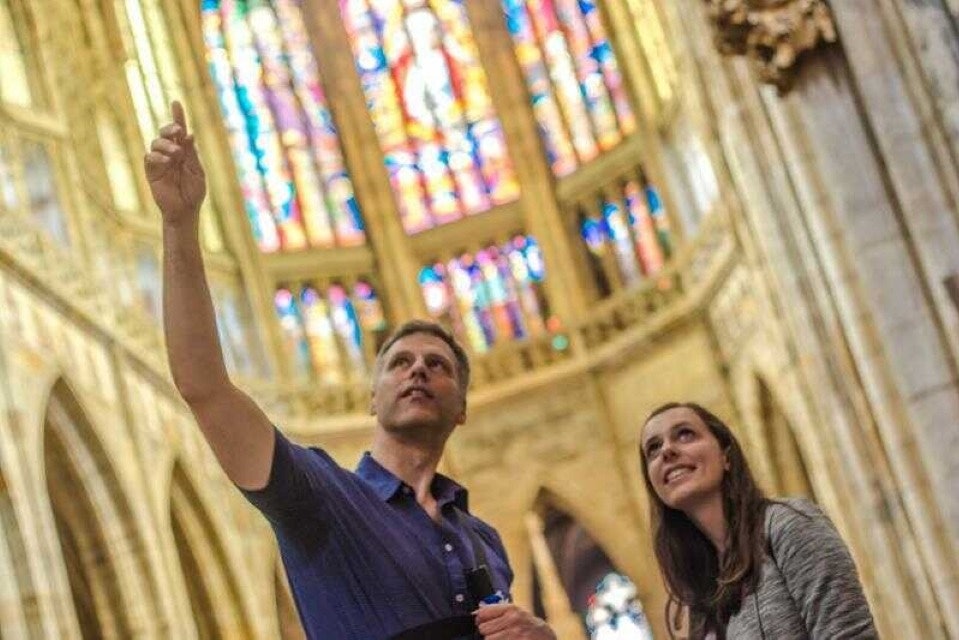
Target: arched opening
<point>212,589</point>
<point>289,619</point>
<point>113,595</point>
<point>790,475</point>
<point>576,586</point>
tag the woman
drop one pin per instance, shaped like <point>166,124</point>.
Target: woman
<point>744,566</point>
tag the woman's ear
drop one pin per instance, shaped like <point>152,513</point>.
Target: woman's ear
<point>726,464</point>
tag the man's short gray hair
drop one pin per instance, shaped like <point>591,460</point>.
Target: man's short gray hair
<point>434,329</point>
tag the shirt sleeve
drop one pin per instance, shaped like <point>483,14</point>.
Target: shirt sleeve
<point>819,572</point>
<point>298,489</point>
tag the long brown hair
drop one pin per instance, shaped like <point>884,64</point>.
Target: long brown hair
<point>712,587</point>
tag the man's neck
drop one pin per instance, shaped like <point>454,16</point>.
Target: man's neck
<point>412,461</point>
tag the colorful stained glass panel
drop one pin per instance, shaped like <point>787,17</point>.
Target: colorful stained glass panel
<point>443,147</point>
<point>294,181</point>
<point>577,90</point>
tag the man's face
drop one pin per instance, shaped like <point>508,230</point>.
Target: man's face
<point>418,386</point>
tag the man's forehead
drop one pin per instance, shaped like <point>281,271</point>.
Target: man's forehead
<point>421,342</point>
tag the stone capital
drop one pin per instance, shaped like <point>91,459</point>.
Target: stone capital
<point>772,33</point>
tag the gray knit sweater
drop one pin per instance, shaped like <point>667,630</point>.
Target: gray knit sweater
<point>809,587</point>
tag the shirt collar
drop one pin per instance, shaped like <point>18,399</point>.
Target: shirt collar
<point>386,485</point>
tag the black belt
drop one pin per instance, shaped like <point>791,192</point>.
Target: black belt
<point>453,628</point>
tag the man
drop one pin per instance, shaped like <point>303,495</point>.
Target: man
<point>386,551</point>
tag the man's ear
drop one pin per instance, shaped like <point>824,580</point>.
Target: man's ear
<point>373,402</point>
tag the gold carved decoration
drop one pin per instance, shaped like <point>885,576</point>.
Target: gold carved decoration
<point>773,33</point>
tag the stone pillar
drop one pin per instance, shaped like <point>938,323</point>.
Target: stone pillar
<point>559,613</point>
<point>835,423</point>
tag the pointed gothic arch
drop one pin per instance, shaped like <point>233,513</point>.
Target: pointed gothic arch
<point>212,587</point>
<point>577,563</point>
<point>113,586</point>
<point>789,470</point>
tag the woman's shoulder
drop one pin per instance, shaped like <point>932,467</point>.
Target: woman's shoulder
<point>792,518</point>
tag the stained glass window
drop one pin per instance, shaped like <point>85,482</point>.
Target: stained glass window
<point>292,174</point>
<point>634,228</point>
<point>614,612</point>
<point>331,332</point>
<point>577,90</point>
<point>9,199</point>
<point>148,280</point>
<point>118,166</point>
<point>232,331</point>
<point>150,68</point>
<point>427,94</point>
<point>40,180</point>
<point>490,296</point>
<point>14,86</point>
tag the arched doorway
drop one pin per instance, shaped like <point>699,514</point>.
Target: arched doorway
<point>103,556</point>
<point>790,475</point>
<point>211,586</point>
<point>567,559</point>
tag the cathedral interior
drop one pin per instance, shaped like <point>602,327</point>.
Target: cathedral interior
<point>752,204</point>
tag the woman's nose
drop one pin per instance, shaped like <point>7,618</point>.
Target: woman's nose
<point>667,451</point>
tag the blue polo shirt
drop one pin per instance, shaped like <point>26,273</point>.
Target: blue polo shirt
<point>365,561</point>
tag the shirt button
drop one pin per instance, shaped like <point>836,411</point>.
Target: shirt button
<point>448,546</point>
<point>459,597</point>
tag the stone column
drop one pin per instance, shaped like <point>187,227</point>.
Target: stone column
<point>559,613</point>
<point>838,436</point>
<point>857,226</point>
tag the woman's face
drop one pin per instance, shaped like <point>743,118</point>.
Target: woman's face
<point>683,459</point>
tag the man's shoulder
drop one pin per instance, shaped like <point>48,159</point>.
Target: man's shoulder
<point>486,530</point>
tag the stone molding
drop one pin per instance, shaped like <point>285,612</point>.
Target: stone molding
<point>772,33</point>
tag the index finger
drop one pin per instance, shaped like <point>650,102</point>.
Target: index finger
<point>179,116</point>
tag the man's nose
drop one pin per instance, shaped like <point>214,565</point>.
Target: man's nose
<point>419,368</point>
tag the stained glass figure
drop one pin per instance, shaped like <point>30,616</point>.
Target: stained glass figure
<point>577,90</point>
<point>292,174</point>
<point>634,228</point>
<point>491,296</point>
<point>328,328</point>
<point>426,91</point>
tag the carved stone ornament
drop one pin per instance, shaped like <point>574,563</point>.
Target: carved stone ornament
<point>773,33</point>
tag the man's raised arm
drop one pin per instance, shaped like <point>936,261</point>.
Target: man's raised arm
<point>239,433</point>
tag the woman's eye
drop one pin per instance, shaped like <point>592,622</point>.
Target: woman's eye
<point>686,434</point>
<point>651,451</point>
